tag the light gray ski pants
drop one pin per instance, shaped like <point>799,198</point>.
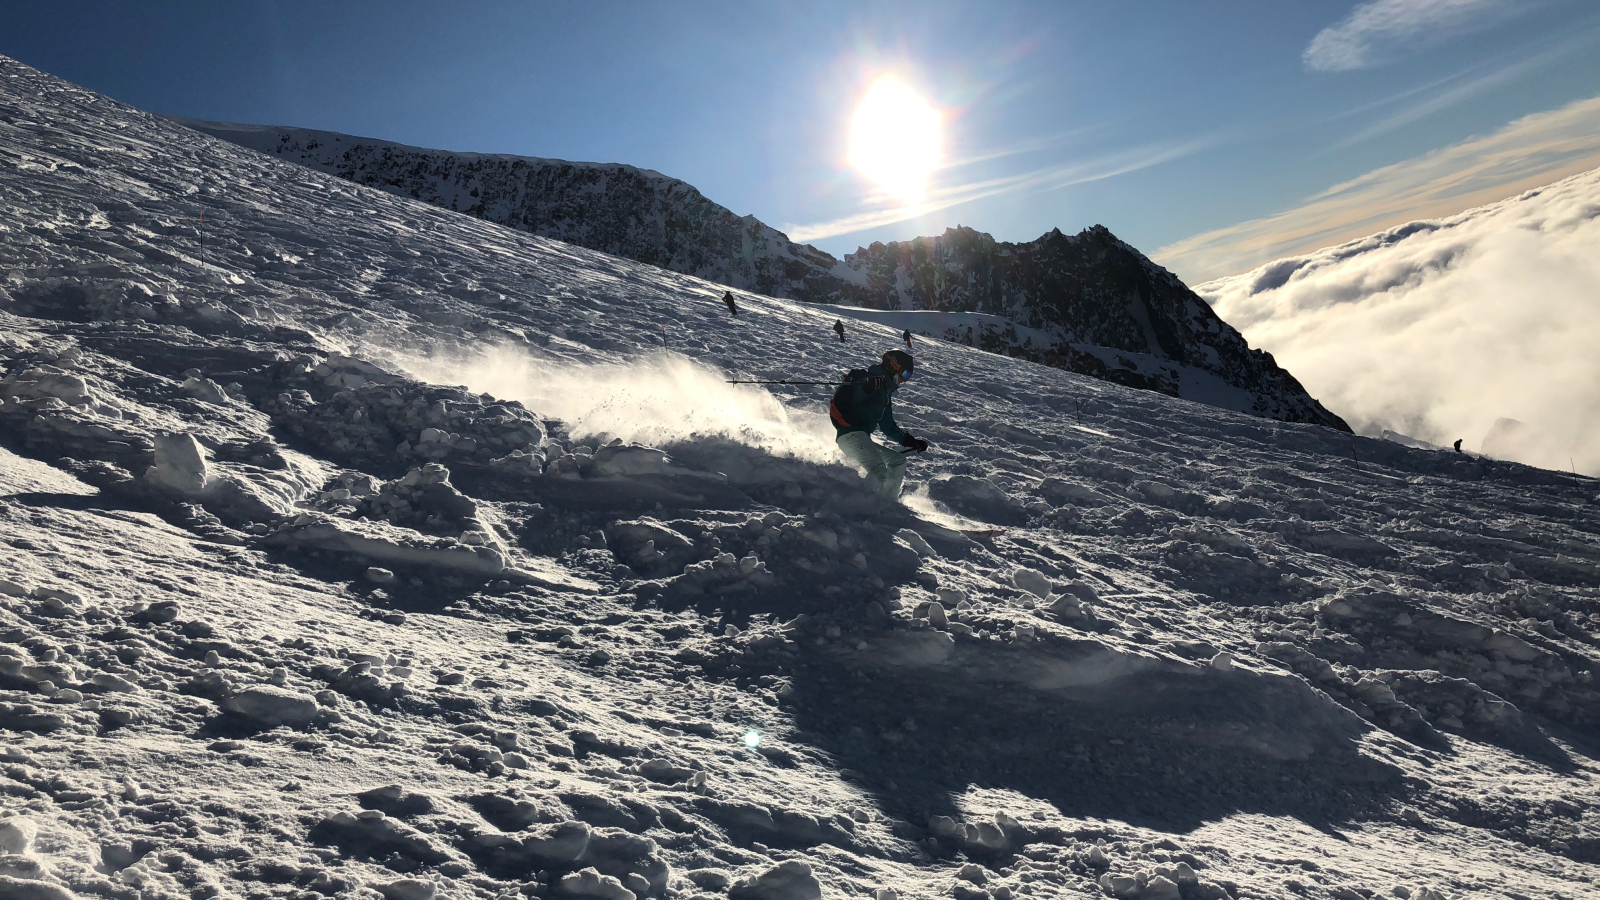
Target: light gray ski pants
<point>886,469</point>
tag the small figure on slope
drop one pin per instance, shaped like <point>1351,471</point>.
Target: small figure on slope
<point>906,336</point>
<point>1458,445</point>
<point>861,406</point>
<point>838,328</point>
<point>732,306</point>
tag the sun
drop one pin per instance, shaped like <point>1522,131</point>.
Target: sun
<point>894,139</point>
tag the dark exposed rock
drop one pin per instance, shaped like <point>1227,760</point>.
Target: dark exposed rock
<point>1103,308</point>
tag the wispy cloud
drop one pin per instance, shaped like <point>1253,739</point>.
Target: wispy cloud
<point>1034,145</point>
<point>1044,179</point>
<point>1466,90</point>
<point>1529,152</point>
<point>1379,30</point>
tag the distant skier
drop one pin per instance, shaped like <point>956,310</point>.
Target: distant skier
<point>1458,445</point>
<point>906,336</point>
<point>861,406</point>
<point>838,328</point>
<point>732,306</point>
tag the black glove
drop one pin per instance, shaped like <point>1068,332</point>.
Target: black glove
<point>916,444</point>
<point>876,384</point>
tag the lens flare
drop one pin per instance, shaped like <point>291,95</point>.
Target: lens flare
<point>752,739</point>
<point>894,139</point>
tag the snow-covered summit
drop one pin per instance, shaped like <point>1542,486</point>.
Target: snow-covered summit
<point>351,548</point>
<point>1087,303</point>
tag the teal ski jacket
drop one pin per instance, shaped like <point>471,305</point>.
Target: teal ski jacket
<point>856,407</point>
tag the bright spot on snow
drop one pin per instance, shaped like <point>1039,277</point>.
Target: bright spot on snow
<point>752,739</point>
<point>894,139</point>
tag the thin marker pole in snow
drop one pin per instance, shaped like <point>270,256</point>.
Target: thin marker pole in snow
<point>200,233</point>
<point>828,383</point>
<point>663,328</point>
<point>1353,455</point>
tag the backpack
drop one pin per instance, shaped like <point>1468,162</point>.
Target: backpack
<point>851,379</point>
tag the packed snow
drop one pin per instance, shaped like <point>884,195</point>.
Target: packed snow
<point>354,548</point>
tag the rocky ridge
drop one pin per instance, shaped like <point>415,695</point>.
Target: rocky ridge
<point>634,213</point>
<point>1093,304</point>
<point>1087,303</point>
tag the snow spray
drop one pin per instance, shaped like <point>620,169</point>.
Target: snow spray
<point>657,398</point>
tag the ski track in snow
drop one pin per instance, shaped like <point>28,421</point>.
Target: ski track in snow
<point>1208,656</point>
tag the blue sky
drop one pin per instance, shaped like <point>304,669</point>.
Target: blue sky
<point>1213,136</point>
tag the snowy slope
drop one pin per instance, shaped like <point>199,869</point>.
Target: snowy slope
<point>1442,329</point>
<point>634,213</point>
<point>279,619</point>
<point>1087,303</point>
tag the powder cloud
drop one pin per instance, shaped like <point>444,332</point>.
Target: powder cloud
<point>659,399</point>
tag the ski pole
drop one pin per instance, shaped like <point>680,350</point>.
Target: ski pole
<point>828,383</point>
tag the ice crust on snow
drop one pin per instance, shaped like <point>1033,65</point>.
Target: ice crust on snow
<point>1171,647</point>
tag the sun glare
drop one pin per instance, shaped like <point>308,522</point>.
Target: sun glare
<point>894,139</point>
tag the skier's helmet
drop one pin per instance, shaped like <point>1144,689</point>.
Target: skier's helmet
<point>900,362</point>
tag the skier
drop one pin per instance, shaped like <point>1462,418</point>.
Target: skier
<point>906,336</point>
<point>861,406</point>
<point>732,306</point>
<point>838,327</point>
<point>1458,445</point>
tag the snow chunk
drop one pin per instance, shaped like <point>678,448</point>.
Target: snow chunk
<point>977,497</point>
<point>373,834</point>
<point>205,390</point>
<point>16,834</point>
<point>25,889</point>
<point>916,542</point>
<point>590,883</point>
<point>381,542</point>
<point>630,459</point>
<point>406,889</point>
<point>1031,580</point>
<point>180,465</point>
<point>791,880</point>
<point>47,381</point>
<point>272,706</point>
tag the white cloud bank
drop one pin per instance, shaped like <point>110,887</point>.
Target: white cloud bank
<point>1379,30</point>
<point>1526,153</point>
<point>1439,328</point>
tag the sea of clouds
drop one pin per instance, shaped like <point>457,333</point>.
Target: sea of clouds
<point>1440,329</point>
